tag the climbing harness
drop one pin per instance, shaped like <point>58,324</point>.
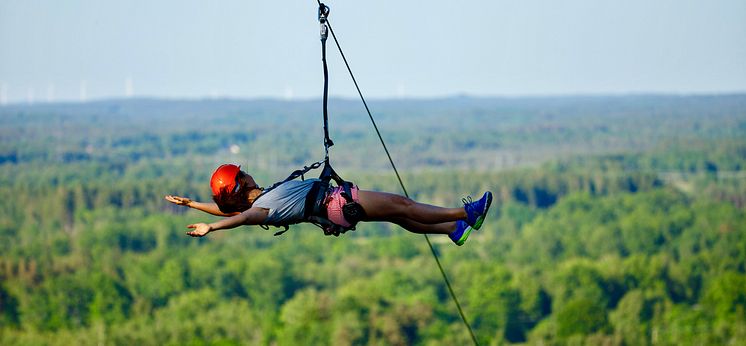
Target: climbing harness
<point>318,196</point>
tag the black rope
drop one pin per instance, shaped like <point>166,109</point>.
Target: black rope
<point>396,171</point>
<point>323,12</point>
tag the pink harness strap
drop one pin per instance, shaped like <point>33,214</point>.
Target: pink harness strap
<point>335,203</point>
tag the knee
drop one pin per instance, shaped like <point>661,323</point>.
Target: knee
<point>402,204</point>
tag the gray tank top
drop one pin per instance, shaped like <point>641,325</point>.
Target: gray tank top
<point>286,203</point>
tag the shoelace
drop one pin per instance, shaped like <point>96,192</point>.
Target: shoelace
<point>468,204</point>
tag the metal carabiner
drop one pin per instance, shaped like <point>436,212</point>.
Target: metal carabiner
<point>323,13</point>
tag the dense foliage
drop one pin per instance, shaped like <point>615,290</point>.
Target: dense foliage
<point>618,220</point>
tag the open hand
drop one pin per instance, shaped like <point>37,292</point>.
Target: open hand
<point>178,200</point>
<point>200,229</point>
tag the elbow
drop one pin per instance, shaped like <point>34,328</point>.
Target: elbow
<point>245,218</point>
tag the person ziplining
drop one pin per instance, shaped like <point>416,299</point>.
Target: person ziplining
<point>238,198</point>
<point>336,209</point>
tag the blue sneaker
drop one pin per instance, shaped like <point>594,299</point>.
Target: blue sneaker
<point>461,233</point>
<point>477,211</point>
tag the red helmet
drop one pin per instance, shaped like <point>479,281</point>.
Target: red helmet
<point>224,179</point>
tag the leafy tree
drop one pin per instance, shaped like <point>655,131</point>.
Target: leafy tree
<point>634,316</point>
<point>495,304</point>
<point>581,316</point>
<point>726,296</point>
<point>306,319</point>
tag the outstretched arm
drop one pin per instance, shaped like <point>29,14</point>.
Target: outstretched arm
<point>210,208</point>
<point>252,216</point>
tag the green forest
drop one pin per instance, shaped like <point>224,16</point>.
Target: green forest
<point>617,220</point>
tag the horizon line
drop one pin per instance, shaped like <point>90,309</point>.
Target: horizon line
<point>280,99</point>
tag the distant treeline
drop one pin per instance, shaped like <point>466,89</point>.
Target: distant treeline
<point>483,133</point>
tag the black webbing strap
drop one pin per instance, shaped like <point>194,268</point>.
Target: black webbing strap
<point>324,32</point>
<point>296,173</point>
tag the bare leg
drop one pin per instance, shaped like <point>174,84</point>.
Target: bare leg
<point>422,228</point>
<point>382,206</point>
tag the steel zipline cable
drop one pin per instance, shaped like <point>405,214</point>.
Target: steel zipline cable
<point>324,9</point>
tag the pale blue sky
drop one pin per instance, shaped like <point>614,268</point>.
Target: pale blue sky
<point>62,50</point>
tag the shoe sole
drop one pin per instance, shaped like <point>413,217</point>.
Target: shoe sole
<point>465,236</point>
<point>480,220</point>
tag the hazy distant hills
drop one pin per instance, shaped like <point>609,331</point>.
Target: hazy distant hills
<point>455,132</point>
